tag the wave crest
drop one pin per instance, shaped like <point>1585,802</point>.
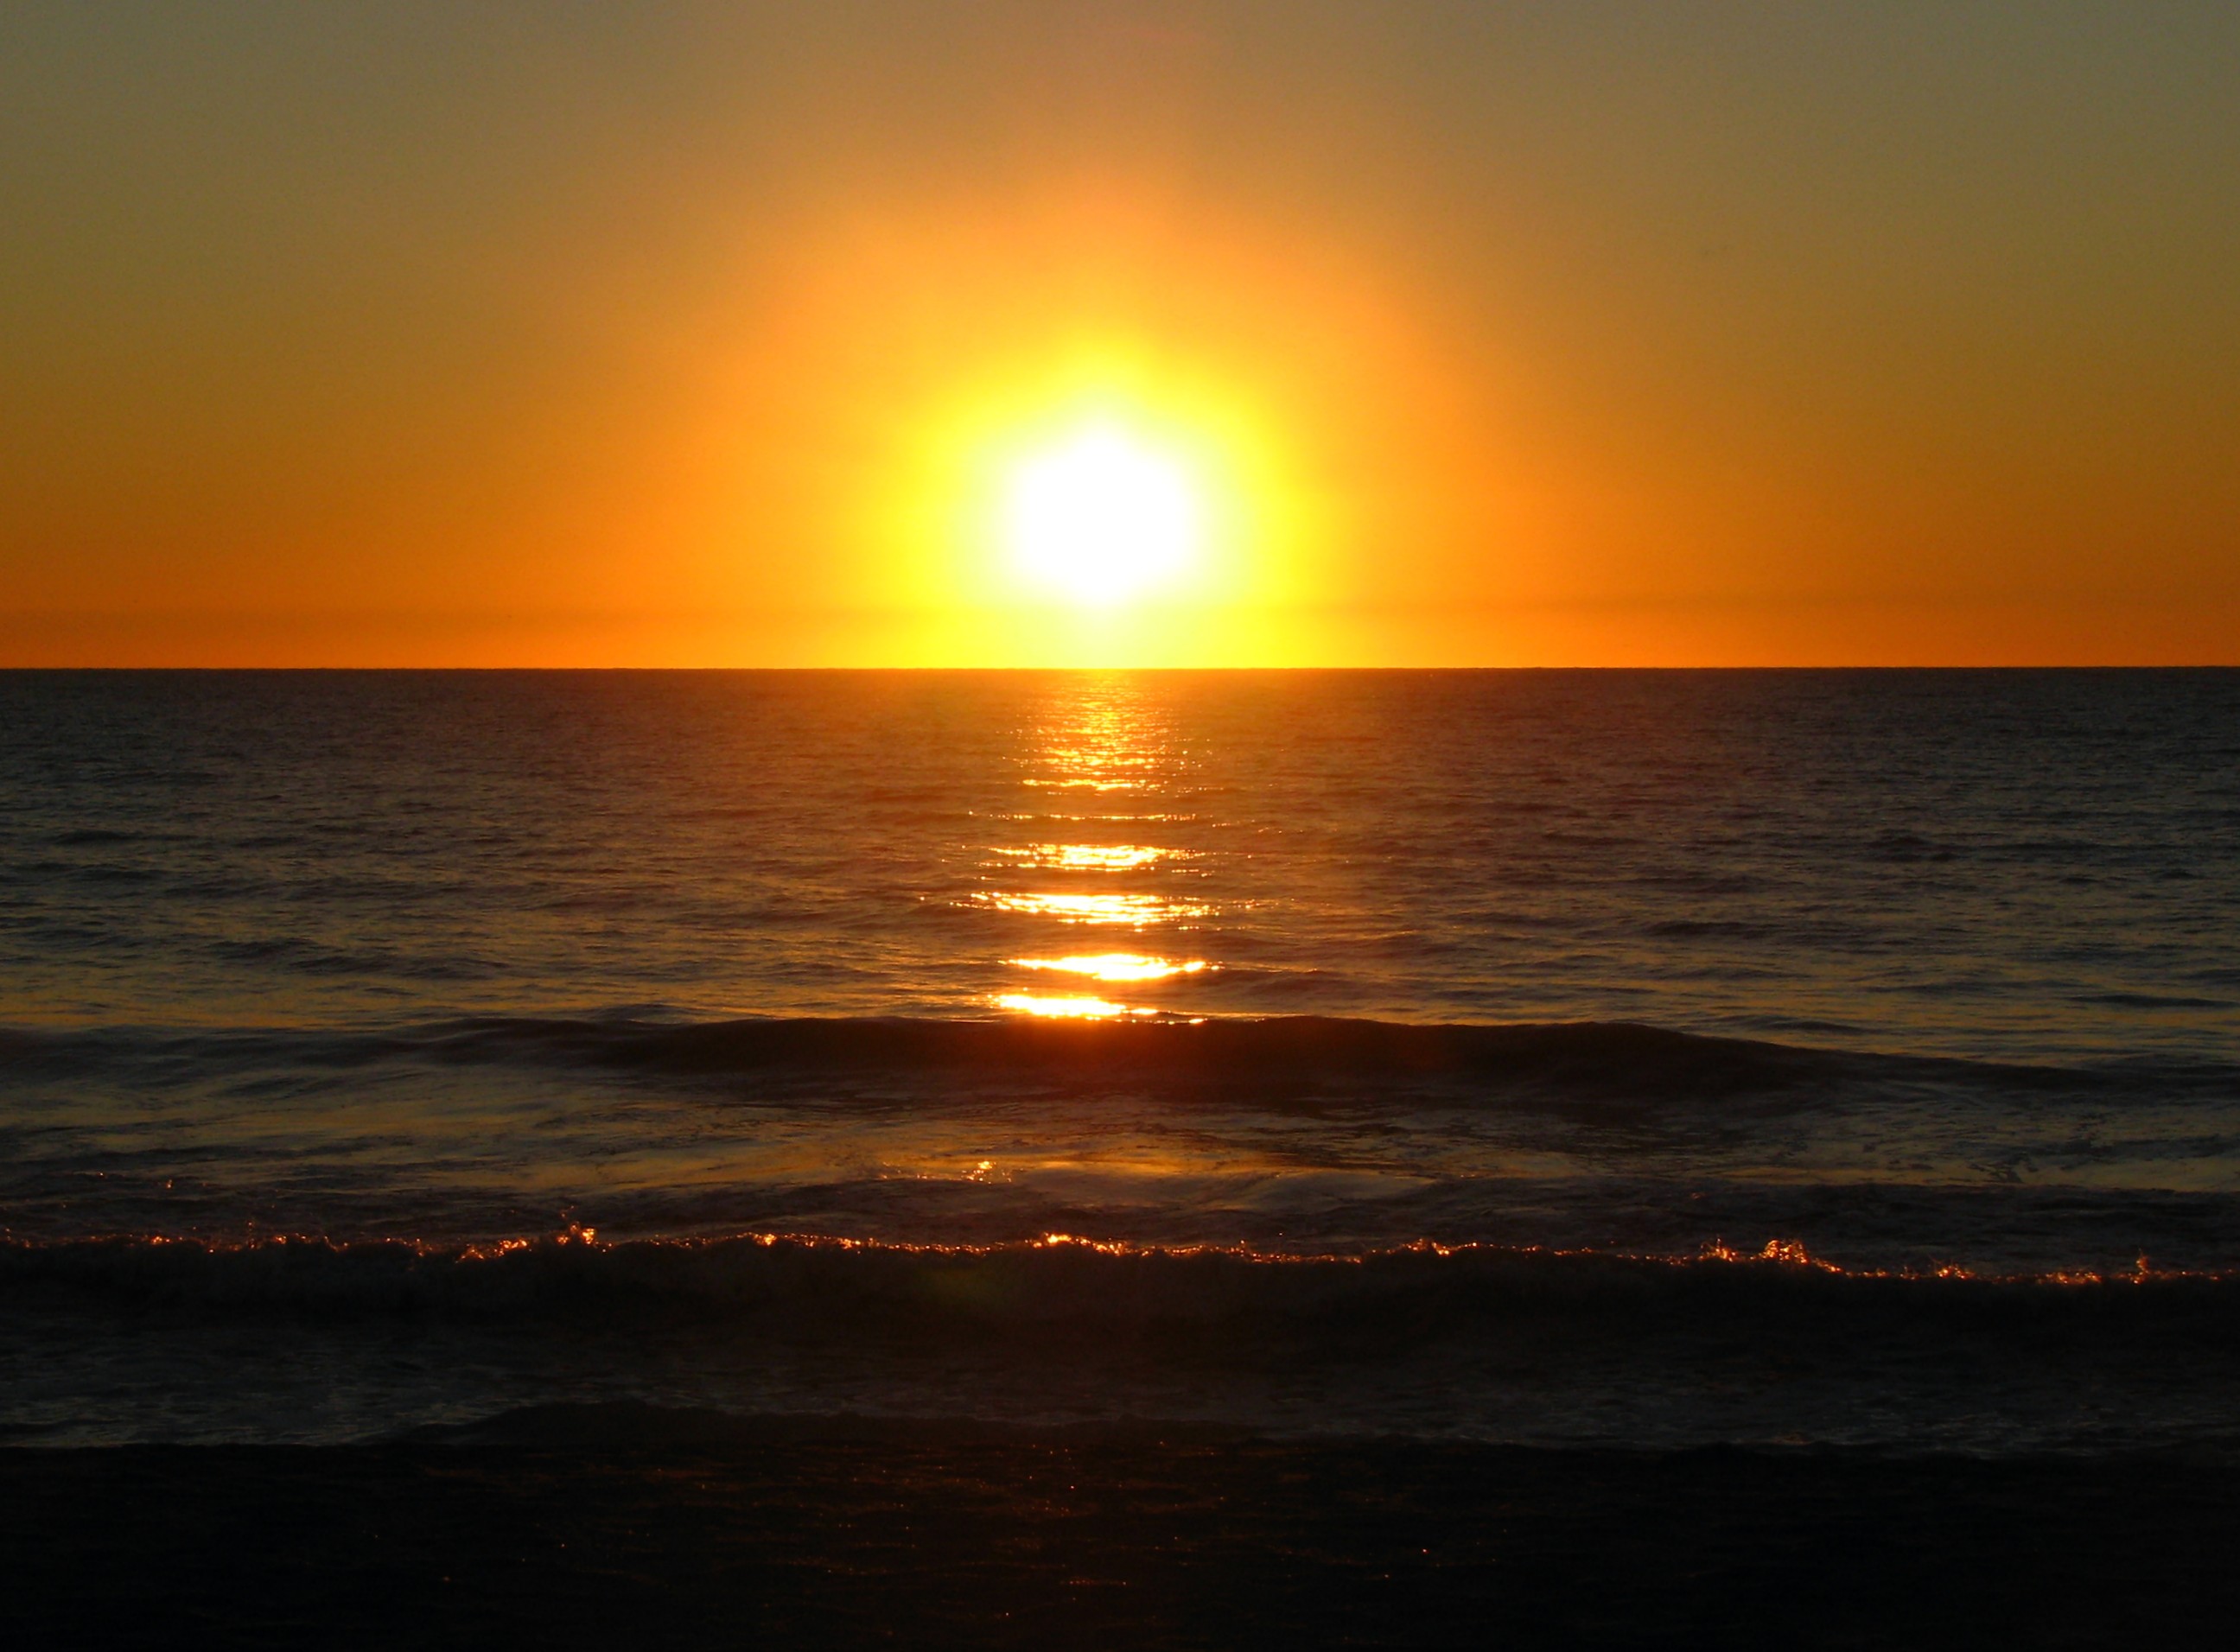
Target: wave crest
<point>1583,1061</point>
<point>786,1282</point>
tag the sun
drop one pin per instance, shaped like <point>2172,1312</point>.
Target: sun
<point>1100,517</point>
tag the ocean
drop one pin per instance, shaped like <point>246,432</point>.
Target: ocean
<point>1585,1061</point>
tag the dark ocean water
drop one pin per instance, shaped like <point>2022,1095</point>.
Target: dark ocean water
<point>1642,1058</point>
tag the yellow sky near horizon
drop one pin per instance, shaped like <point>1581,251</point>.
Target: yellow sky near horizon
<point>1595,334</point>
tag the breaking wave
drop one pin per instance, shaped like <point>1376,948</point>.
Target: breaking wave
<point>781,1284</point>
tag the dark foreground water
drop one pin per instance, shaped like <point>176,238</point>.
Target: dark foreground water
<point>1612,1059</point>
<point>932,1538</point>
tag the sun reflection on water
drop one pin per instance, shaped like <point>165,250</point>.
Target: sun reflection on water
<point>1115,965</point>
<point>1069,1007</point>
<point>1099,735</point>
<point>1092,857</point>
<point>1137,909</point>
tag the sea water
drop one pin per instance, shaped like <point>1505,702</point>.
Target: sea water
<point>1634,1057</point>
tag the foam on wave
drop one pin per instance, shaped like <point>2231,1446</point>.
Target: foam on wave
<point>791,1282</point>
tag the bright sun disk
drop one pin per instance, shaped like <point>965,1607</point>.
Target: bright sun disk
<point>1100,518</point>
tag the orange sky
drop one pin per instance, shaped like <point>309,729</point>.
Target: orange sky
<point>1569,334</point>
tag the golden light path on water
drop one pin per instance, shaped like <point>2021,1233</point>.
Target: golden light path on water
<point>1074,1009</point>
<point>1115,965</point>
<point>1108,743</point>
<point>1135,909</point>
<point>1091,858</point>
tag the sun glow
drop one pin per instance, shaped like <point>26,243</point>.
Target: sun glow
<point>1101,517</point>
<point>1085,426</point>
<point>1108,505</point>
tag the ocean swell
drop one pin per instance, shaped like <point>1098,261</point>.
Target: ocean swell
<point>1582,1060</point>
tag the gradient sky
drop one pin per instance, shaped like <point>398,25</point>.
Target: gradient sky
<point>1570,334</point>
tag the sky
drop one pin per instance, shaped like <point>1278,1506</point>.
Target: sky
<point>712,334</point>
